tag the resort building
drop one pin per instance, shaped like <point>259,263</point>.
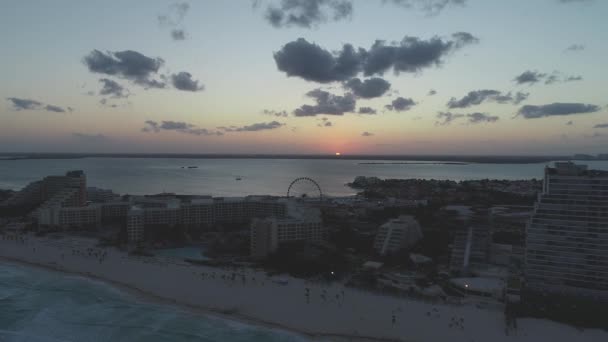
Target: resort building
<point>300,224</point>
<point>567,236</point>
<point>396,234</point>
<point>68,190</point>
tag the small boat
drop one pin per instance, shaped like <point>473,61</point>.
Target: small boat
<point>238,178</point>
<point>193,167</point>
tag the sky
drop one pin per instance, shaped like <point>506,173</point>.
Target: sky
<point>467,77</point>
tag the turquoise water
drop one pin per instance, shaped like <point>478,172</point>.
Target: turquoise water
<point>194,253</point>
<point>217,177</point>
<point>39,305</point>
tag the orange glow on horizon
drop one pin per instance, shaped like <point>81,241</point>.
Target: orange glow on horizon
<point>338,153</point>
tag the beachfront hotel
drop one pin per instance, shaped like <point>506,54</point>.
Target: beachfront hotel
<point>567,236</point>
<point>299,224</point>
<point>396,234</point>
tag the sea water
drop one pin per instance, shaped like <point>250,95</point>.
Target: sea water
<point>219,177</point>
<point>41,305</point>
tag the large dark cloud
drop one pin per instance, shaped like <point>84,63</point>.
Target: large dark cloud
<point>431,7</point>
<point>127,64</point>
<point>261,126</point>
<point>478,96</point>
<point>313,63</point>
<point>367,89</point>
<point>112,88</point>
<point>446,118</point>
<point>184,81</point>
<point>307,13</point>
<point>367,110</point>
<point>532,76</point>
<point>327,103</point>
<point>401,104</point>
<point>555,109</point>
<point>29,104</point>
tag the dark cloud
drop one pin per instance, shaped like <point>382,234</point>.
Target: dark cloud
<point>554,109</point>
<point>307,13</point>
<point>532,77</point>
<point>127,64</point>
<point>369,88</point>
<point>324,122</point>
<point>401,104</point>
<point>178,34</point>
<point>575,47</point>
<point>104,102</point>
<point>604,125</point>
<point>112,88</point>
<point>479,96</point>
<point>253,127</point>
<point>28,104</point>
<point>446,118</point>
<point>327,103</point>
<point>24,104</point>
<point>570,123</point>
<point>412,54</point>
<point>430,7</point>
<point>313,63</point>
<point>184,81</point>
<point>281,113</point>
<point>90,137</point>
<point>432,92</point>
<point>366,110</point>
<point>177,126</point>
<point>367,134</point>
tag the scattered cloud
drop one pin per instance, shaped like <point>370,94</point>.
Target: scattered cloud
<point>174,18</point>
<point>430,7</point>
<point>184,81</point>
<point>367,134</point>
<point>531,77</point>
<point>446,118</point>
<point>432,92</point>
<point>151,126</point>
<point>112,88</point>
<point>28,104</point>
<point>128,64</point>
<point>311,62</point>
<point>575,48</point>
<point>324,122</point>
<point>369,88</point>
<point>366,110</point>
<point>477,97</point>
<point>327,103</point>
<point>84,137</point>
<point>277,113</point>
<point>307,13</point>
<point>401,104</point>
<point>555,109</point>
<point>570,123</point>
<point>574,1</point>
<point>253,127</point>
<point>178,34</point>
<point>603,125</point>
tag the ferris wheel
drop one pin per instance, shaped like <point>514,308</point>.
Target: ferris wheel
<point>304,188</point>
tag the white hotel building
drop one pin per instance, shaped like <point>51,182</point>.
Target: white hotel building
<point>567,236</point>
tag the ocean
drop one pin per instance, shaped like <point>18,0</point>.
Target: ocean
<point>218,177</point>
<point>37,305</point>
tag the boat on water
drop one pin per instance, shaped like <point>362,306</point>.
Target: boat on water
<point>238,178</point>
<point>193,167</point>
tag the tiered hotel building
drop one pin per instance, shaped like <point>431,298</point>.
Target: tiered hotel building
<point>567,236</point>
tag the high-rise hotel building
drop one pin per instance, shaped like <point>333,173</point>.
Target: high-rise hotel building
<point>567,235</point>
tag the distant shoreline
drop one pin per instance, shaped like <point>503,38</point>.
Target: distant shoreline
<point>443,159</point>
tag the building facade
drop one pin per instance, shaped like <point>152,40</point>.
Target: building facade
<point>567,236</point>
<point>397,234</point>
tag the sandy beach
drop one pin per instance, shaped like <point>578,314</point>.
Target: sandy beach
<point>328,312</point>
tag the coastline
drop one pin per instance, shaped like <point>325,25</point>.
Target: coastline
<point>152,298</point>
<point>356,316</point>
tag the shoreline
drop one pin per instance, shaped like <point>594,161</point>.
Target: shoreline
<point>333,312</point>
<point>204,311</point>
